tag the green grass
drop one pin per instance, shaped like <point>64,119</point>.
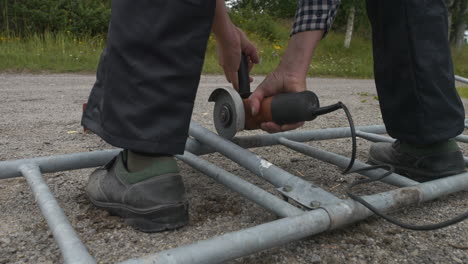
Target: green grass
<point>460,61</point>
<point>63,52</point>
<point>331,58</point>
<point>463,91</point>
<point>50,52</point>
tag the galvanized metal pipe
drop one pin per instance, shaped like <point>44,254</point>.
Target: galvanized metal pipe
<point>461,79</point>
<point>261,167</point>
<point>56,163</point>
<point>10,169</point>
<point>70,245</point>
<point>49,164</point>
<point>244,242</point>
<point>246,189</point>
<point>462,138</point>
<point>247,241</point>
<point>263,140</point>
<point>374,137</point>
<point>351,211</point>
<point>342,162</point>
<point>378,138</point>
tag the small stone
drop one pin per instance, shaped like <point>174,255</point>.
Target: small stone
<point>457,260</point>
<point>414,253</point>
<point>81,217</point>
<point>5,240</point>
<point>315,259</point>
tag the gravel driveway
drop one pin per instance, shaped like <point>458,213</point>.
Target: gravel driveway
<point>40,116</point>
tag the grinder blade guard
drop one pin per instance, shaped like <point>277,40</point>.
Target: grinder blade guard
<point>228,113</point>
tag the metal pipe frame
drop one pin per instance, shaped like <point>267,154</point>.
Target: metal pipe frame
<point>246,189</point>
<point>290,185</point>
<point>461,79</point>
<point>237,244</point>
<point>329,211</point>
<point>70,245</point>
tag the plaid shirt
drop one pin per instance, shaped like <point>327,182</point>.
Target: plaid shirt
<point>315,15</point>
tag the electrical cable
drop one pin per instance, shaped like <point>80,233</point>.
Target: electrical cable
<point>390,219</point>
<point>390,170</point>
<point>331,108</point>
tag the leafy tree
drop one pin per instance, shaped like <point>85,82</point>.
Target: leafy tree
<point>458,20</point>
<point>276,8</point>
<point>24,17</point>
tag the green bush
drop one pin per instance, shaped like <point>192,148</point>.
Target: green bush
<point>276,8</point>
<point>26,17</point>
<point>259,23</point>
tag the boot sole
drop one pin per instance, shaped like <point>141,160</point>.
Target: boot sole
<point>150,220</point>
<point>417,174</point>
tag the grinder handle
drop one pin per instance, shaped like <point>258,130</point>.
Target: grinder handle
<point>289,108</point>
<point>285,108</point>
<point>244,79</point>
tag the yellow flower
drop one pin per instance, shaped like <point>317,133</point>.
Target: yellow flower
<point>277,47</point>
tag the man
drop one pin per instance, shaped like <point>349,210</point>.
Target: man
<point>148,74</point>
<point>413,74</point>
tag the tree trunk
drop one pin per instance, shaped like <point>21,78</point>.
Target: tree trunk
<point>459,40</point>
<point>449,4</point>
<point>350,27</point>
<point>449,23</point>
<point>460,27</point>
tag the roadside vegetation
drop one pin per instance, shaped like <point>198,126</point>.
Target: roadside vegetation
<point>68,36</point>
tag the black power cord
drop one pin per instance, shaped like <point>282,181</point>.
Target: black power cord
<point>391,169</point>
<point>331,108</point>
<point>390,219</point>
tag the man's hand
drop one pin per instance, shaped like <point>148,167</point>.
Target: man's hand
<point>229,55</point>
<point>289,76</point>
<point>275,83</point>
<point>231,41</point>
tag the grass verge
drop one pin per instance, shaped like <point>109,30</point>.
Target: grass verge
<point>463,91</point>
<point>62,52</point>
<point>50,52</point>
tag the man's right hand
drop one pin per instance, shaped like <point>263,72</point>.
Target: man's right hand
<point>275,83</point>
<point>289,76</point>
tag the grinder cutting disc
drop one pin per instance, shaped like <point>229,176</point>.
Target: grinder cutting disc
<point>228,114</point>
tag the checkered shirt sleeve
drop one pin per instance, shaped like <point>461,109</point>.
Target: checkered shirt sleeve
<point>315,15</point>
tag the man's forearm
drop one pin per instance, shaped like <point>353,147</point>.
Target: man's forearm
<point>297,57</point>
<point>222,25</point>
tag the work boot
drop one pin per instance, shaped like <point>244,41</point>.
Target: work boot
<point>422,163</point>
<point>150,200</point>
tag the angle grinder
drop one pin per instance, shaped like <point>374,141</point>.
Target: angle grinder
<point>232,110</point>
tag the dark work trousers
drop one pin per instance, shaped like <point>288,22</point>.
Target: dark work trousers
<point>413,70</point>
<point>148,74</point>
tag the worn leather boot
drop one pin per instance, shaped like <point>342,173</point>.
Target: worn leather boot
<point>421,163</point>
<point>151,200</point>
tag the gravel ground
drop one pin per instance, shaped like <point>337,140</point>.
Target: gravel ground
<point>40,116</point>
